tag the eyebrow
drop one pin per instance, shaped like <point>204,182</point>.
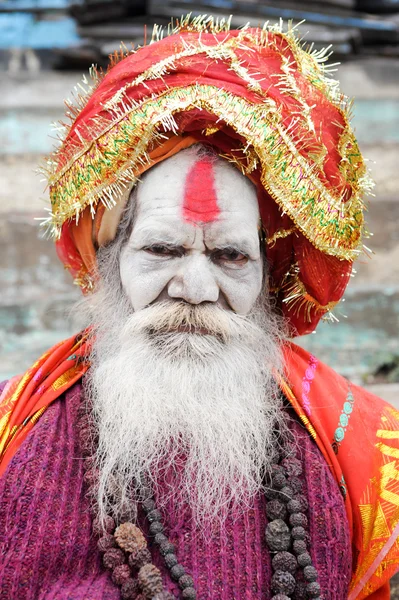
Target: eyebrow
<point>147,237</point>
<point>243,245</point>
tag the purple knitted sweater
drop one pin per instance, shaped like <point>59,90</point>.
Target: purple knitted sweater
<point>48,550</point>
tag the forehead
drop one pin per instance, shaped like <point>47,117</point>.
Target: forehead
<point>197,189</point>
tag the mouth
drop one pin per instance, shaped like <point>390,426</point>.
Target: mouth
<point>190,329</point>
<point>181,329</point>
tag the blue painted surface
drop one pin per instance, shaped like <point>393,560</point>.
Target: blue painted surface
<point>27,131</point>
<point>34,4</point>
<point>376,120</point>
<point>22,30</point>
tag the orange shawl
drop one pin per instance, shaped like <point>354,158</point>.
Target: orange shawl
<point>357,433</point>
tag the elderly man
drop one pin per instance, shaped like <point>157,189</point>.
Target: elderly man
<point>207,198</point>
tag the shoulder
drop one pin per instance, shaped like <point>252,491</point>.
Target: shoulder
<point>54,429</point>
<point>358,434</point>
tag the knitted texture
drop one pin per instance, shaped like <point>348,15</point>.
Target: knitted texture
<point>49,551</point>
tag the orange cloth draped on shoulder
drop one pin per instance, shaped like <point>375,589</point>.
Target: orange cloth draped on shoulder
<point>357,433</point>
<point>24,399</point>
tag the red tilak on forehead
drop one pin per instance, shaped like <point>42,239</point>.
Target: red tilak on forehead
<point>200,200</point>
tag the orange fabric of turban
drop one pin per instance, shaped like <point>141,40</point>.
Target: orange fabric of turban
<point>264,103</point>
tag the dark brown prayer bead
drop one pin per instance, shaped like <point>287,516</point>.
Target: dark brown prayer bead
<point>129,537</point>
<point>121,574</point>
<point>285,494</point>
<point>279,481</point>
<point>298,533</point>
<point>148,505</point>
<point>304,559</point>
<point>156,527</point>
<point>170,560</point>
<point>150,580</point>
<point>300,591</point>
<point>294,506</point>
<point>298,520</point>
<point>283,582</point>
<point>310,573</point>
<point>177,571</point>
<point>154,515</point>
<point>166,548</point>
<point>106,525</point>
<point>106,542</point>
<point>113,558</point>
<point>292,466</point>
<point>299,547</point>
<point>130,589</point>
<point>278,536</point>
<point>185,581</point>
<point>271,493</point>
<point>296,485</point>
<point>140,558</point>
<point>313,589</point>
<point>285,561</point>
<point>160,538</point>
<point>189,593</point>
<point>275,509</point>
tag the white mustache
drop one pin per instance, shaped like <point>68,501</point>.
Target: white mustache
<point>166,318</point>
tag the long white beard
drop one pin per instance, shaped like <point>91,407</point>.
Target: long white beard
<point>203,405</point>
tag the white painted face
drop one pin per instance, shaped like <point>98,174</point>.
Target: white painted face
<point>195,236</point>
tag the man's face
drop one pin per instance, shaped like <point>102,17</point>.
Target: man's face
<point>182,376</point>
<point>195,236</point>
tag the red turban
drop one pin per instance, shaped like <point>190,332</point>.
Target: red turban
<point>261,101</point>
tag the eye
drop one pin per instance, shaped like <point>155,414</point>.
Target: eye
<point>163,250</point>
<point>230,255</point>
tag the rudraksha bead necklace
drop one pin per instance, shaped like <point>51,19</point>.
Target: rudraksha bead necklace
<point>124,547</point>
<point>126,554</point>
<point>286,534</point>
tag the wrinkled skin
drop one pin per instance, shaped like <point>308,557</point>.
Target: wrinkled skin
<point>184,249</point>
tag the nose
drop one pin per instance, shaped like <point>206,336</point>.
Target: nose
<point>195,283</point>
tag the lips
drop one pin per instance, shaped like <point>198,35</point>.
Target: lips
<point>181,329</point>
<point>192,329</point>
